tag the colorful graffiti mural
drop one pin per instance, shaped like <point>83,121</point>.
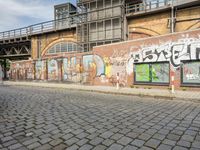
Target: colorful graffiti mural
<point>65,69</point>
<point>23,70</point>
<point>94,61</point>
<point>40,69</point>
<point>94,67</point>
<point>52,69</point>
<point>72,69</point>
<point>149,60</point>
<point>73,74</point>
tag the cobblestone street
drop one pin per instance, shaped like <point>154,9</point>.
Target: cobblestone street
<point>44,118</point>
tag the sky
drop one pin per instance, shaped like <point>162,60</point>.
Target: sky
<point>21,13</point>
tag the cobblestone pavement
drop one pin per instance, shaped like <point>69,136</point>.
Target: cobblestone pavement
<point>44,118</point>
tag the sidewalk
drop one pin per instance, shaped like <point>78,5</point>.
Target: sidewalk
<point>155,93</point>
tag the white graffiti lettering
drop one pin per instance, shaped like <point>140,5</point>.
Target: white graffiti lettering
<point>192,76</point>
<point>174,52</point>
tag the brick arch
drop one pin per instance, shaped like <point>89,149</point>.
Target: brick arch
<point>55,42</point>
<point>141,32</point>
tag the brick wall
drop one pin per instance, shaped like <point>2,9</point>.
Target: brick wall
<point>172,48</point>
<point>100,67</point>
<point>159,23</point>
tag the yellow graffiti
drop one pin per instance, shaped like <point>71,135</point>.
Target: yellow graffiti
<point>93,65</point>
<point>107,67</point>
<point>79,68</point>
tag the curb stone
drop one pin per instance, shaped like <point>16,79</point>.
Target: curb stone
<point>139,94</point>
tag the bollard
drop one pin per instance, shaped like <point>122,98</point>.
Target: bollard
<point>172,80</point>
<point>118,81</point>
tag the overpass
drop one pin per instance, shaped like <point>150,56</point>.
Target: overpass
<point>16,44</point>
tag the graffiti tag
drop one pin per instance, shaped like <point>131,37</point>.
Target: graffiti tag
<point>172,52</point>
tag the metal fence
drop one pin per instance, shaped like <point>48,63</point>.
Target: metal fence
<point>133,8</point>
<point>41,28</point>
<point>154,4</point>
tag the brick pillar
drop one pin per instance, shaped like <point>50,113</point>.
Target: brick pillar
<point>60,69</point>
<point>34,70</point>
<point>46,71</point>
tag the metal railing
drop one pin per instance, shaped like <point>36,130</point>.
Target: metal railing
<point>83,1</point>
<point>154,4</point>
<point>41,28</point>
<point>134,8</point>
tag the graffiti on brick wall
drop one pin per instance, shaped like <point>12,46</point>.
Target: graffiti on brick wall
<point>106,68</point>
<point>40,69</point>
<point>22,70</point>
<point>118,62</point>
<point>174,52</point>
<point>69,69</point>
<point>93,67</point>
<point>65,68</point>
<point>28,68</point>
<point>72,69</point>
<point>52,69</point>
<point>94,61</point>
<point>191,72</point>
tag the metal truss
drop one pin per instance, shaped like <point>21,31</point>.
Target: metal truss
<point>15,50</point>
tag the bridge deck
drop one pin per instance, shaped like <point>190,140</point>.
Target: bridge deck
<point>44,27</point>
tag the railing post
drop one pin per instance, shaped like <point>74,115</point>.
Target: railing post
<point>26,31</point>
<point>30,28</point>
<point>41,27</point>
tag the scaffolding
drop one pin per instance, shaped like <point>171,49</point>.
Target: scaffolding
<point>102,22</point>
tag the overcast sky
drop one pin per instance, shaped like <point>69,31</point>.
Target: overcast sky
<point>21,13</point>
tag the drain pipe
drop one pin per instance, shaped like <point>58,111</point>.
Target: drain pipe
<point>172,17</point>
<point>172,31</point>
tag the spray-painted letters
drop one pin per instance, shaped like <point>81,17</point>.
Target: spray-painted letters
<point>174,52</point>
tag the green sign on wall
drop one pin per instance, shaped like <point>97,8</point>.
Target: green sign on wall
<point>152,73</point>
<point>142,73</point>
